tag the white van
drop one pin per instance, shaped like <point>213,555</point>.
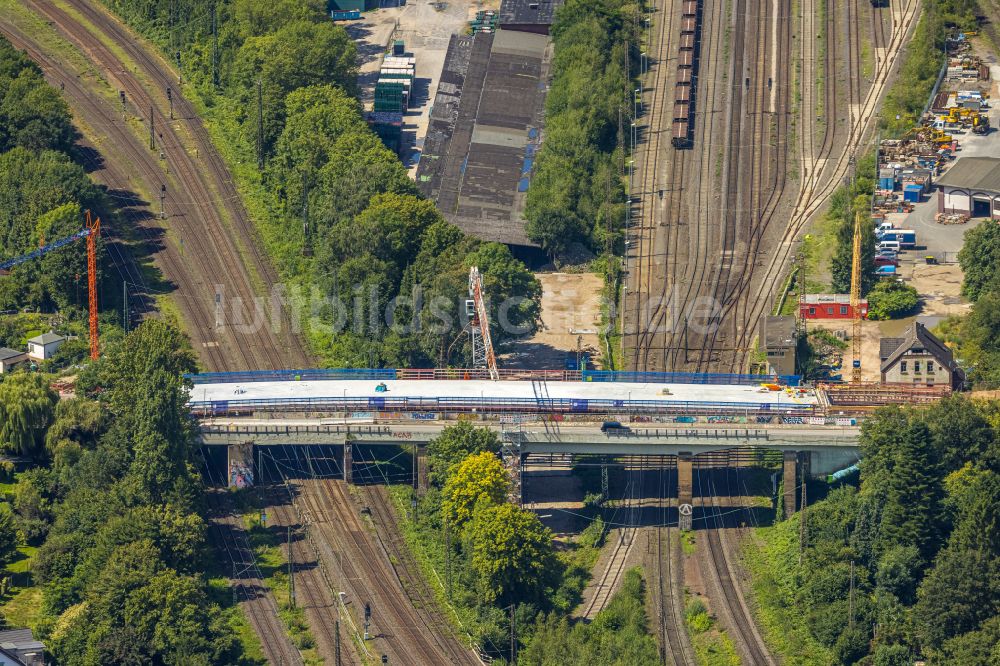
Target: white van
<point>889,245</point>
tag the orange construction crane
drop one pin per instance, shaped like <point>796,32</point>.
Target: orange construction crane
<point>92,229</point>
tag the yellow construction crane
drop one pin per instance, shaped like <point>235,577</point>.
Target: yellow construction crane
<point>856,302</point>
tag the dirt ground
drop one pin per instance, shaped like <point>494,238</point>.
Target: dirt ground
<point>571,308</point>
<point>426,28</point>
<point>871,332</point>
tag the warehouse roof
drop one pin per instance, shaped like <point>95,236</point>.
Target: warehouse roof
<point>973,173</point>
<point>484,132</point>
<point>528,12</point>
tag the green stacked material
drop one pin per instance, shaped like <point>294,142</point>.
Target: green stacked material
<point>485,21</point>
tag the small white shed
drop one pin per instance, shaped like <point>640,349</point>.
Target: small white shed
<point>45,345</point>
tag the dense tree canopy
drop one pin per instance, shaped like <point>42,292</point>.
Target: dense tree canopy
<point>576,192</point>
<point>922,534</point>
<point>27,409</point>
<point>32,115</point>
<point>979,258</point>
<point>478,478</point>
<point>123,543</point>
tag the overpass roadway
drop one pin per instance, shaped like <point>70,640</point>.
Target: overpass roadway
<point>829,448</point>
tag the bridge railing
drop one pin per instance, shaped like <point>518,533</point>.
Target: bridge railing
<point>428,374</point>
<point>489,404</point>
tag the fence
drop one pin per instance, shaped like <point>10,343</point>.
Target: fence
<point>334,374</point>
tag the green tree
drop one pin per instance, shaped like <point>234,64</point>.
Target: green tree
<point>913,492</point>
<point>455,444</point>
<point>958,593</point>
<point>960,433</point>
<point>891,300</point>
<point>892,655</point>
<point>9,538</point>
<point>511,554</point>
<point>975,648</point>
<point>479,478</point>
<point>27,409</point>
<point>842,208</point>
<point>32,114</point>
<point>78,425</point>
<point>297,54</point>
<point>979,258</point>
<point>981,332</point>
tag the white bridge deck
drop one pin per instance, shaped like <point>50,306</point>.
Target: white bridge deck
<point>483,390</point>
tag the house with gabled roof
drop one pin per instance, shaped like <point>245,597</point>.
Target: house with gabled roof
<point>918,358</point>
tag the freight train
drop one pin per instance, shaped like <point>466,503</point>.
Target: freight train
<point>684,86</point>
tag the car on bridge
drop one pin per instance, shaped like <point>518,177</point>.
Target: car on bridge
<point>609,427</point>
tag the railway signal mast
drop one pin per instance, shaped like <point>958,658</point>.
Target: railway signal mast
<point>92,229</point>
<point>482,343</point>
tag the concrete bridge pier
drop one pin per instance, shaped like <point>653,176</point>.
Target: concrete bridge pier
<point>684,492</point>
<point>422,480</point>
<point>796,471</point>
<point>348,463</point>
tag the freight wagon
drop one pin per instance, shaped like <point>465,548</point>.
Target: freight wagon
<point>680,135</point>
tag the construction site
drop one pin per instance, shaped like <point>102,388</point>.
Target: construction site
<point>748,117</point>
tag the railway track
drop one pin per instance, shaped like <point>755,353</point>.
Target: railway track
<point>247,582</point>
<point>311,590</point>
<point>675,645</point>
<point>816,192</point>
<point>236,336</point>
<point>367,571</point>
<point>738,257</point>
<point>732,602</point>
<point>98,117</point>
<point>407,571</point>
<point>612,575</point>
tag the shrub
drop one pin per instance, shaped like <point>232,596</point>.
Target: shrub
<point>892,300</point>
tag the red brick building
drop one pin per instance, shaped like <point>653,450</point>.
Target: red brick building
<point>829,306</point>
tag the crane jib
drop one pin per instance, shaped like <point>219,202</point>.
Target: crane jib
<point>55,245</point>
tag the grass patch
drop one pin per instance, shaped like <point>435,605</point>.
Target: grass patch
<point>273,566</point>
<point>24,609</point>
<point>688,542</point>
<point>770,559</point>
<point>22,604</point>
<point>712,647</point>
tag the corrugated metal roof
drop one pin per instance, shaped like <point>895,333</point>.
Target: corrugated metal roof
<point>528,12</point>
<point>483,132</point>
<point>973,173</point>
